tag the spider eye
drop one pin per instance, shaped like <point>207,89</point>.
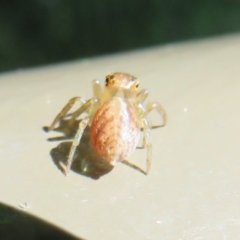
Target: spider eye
<point>135,86</point>
<point>109,79</point>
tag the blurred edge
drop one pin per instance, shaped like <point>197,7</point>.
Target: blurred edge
<point>37,32</point>
<point>17,224</point>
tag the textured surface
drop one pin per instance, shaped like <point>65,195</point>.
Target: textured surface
<point>192,191</point>
<point>115,129</point>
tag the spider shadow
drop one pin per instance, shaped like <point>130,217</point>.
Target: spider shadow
<point>86,161</point>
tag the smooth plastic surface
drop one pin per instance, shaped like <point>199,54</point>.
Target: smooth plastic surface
<point>192,191</point>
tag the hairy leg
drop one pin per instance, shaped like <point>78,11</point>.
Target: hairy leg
<point>65,110</point>
<point>82,125</point>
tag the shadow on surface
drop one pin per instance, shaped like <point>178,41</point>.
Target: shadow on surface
<point>86,161</point>
<point>16,224</point>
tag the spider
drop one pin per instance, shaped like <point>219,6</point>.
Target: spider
<point>116,116</point>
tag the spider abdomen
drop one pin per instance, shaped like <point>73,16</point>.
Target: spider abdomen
<point>115,129</point>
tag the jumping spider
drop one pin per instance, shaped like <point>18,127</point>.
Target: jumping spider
<point>116,115</point>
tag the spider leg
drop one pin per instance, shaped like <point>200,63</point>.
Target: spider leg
<point>97,91</point>
<point>160,110</point>
<point>143,146</point>
<point>142,95</point>
<point>147,143</point>
<point>64,111</point>
<point>146,127</point>
<point>82,125</point>
<point>132,165</point>
<point>86,107</point>
<point>97,88</point>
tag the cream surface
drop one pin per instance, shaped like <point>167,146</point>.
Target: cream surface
<point>192,191</point>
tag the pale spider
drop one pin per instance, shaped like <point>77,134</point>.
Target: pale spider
<point>116,115</point>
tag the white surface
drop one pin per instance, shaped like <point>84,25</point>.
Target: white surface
<point>192,191</point>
